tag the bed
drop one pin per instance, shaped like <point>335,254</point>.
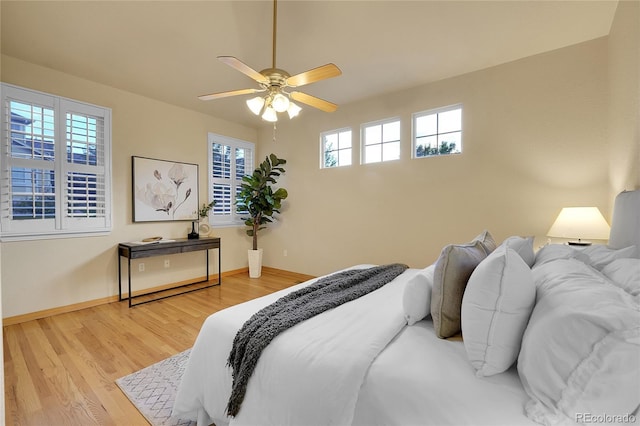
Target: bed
<point>550,337</point>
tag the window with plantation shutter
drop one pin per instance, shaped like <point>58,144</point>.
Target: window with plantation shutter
<point>229,160</point>
<point>55,166</point>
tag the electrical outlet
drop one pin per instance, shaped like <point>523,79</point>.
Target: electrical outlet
<point>285,253</point>
<point>167,263</point>
<point>140,267</point>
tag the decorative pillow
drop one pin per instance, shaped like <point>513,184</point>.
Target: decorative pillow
<point>552,252</point>
<point>452,271</point>
<point>580,350</point>
<point>523,246</point>
<point>416,299</point>
<point>487,241</point>
<point>496,306</point>
<point>600,255</point>
<point>625,273</point>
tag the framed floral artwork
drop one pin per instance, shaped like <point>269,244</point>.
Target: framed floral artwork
<point>164,190</point>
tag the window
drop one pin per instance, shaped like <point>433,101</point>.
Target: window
<point>230,159</point>
<point>56,166</point>
<point>336,148</point>
<point>381,141</point>
<point>437,132</point>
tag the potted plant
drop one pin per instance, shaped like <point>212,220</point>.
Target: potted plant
<point>203,213</point>
<point>260,202</point>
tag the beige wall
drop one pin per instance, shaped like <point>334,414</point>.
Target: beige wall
<point>624,98</point>
<point>534,140</point>
<point>537,137</point>
<point>38,275</point>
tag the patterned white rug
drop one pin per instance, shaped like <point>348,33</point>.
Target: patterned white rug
<point>153,389</point>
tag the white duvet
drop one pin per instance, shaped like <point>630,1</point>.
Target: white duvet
<point>309,375</point>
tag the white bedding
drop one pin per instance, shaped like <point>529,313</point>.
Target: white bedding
<point>310,374</point>
<point>327,371</point>
<point>420,379</point>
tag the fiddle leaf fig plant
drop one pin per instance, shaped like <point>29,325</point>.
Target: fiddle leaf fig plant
<point>257,197</point>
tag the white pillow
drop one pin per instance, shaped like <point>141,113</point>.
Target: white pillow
<point>496,306</point>
<point>416,299</point>
<point>552,252</point>
<point>580,350</point>
<point>601,255</point>
<point>625,273</point>
<point>523,246</point>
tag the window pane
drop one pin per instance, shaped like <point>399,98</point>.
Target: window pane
<point>32,193</point>
<point>426,125</point>
<point>32,130</point>
<point>83,135</point>
<point>450,121</point>
<point>243,159</point>
<point>373,154</point>
<point>330,141</point>
<point>221,161</point>
<point>344,157</point>
<point>330,159</point>
<point>391,151</point>
<point>391,131</point>
<point>373,135</point>
<point>450,143</point>
<point>426,146</point>
<point>344,140</point>
<point>85,195</point>
<point>222,197</point>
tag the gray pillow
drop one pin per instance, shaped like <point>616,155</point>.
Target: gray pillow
<point>487,241</point>
<point>452,271</point>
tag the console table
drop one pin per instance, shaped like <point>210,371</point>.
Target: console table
<point>160,248</point>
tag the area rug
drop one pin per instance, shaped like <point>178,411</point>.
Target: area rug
<point>153,389</point>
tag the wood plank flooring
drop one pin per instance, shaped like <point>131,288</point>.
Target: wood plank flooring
<point>61,370</point>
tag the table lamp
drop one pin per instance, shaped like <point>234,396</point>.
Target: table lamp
<point>580,222</point>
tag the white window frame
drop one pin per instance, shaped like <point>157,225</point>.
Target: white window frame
<point>63,224</point>
<point>416,115</point>
<point>363,139</point>
<point>233,218</point>
<point>323,147</point>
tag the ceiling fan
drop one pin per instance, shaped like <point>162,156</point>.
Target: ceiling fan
<point>274,81</point>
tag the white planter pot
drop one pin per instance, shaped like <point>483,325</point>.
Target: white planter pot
<point>255,263</point>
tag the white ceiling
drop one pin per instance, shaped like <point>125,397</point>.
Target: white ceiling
<point>167,50</point>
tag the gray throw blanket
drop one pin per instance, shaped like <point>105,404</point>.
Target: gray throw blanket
<point>326,293</point>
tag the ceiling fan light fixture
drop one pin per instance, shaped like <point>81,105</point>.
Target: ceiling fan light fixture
<point>293,110</point>
<point>270,115</point>
<point>255,104</point>
<point>280,102</point>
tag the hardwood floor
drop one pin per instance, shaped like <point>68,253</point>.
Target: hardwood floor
<point>60,370</point>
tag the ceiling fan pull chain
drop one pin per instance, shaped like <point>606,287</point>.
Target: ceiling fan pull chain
<point>274,131</point>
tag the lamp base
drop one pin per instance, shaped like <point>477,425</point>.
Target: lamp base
<point>579,243</point>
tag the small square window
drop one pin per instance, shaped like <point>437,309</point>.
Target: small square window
<point>336,148</point>
<point>381,141</point>
<point>437,132</point>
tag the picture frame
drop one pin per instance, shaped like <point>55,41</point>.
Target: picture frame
<point>164,190</point>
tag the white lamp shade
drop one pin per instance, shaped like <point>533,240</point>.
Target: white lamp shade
<point>580,222</point>
<point>293,110</point>
<point>270,115</point>
<point>255,104</point>
<point>280,103</point>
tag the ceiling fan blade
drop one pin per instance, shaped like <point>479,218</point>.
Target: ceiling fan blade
<point>313,75</point>
<point>243,68</point>
<point>227,94</point>
<point>321,104</point>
